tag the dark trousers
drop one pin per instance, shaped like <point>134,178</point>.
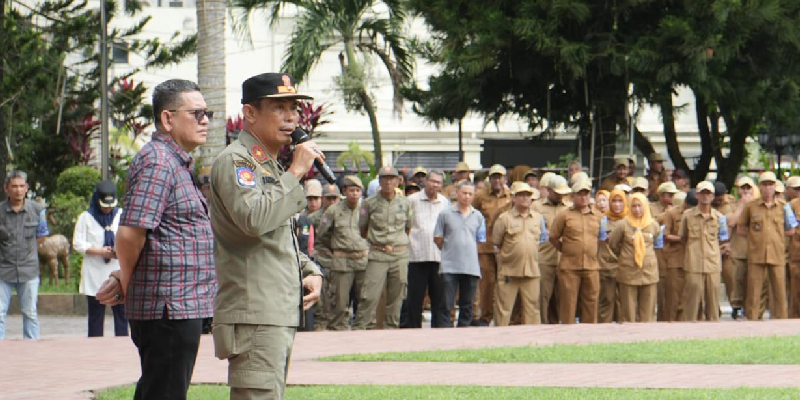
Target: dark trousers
<point>466,285</point>
<point>167,353</point>
<point>422,277</point>
<point>97,316</point>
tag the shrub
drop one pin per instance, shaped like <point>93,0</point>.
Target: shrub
<point>63,212</point>
<point>79,181</point>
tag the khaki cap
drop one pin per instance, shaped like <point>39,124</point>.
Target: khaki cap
<point>667,187</point>
<point>520,187</point>
<point>640,183</point>
<point>744,180</point>
<point>544,181</point>
<point>679,198</point>
<point>462,167</point>
<point>793,181</point>
<point>331,190</point>
<point>313,188</point>
<point>579,176</point>
<point>582,185</point>
<point>558,184</point>
<point>530,172</point>
<point>767,176</point>
<point>352,180</point>
<point>625,188</point>
<point>497,169</point>
<point>388,171</point>
<point>655,157</point>
<point>420,170</point>
<point>620,161</point>
<point>779,187</point>
<point>705,185</point>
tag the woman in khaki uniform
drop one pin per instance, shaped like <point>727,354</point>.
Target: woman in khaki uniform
<point>633,240</point>
<point>607,304</point>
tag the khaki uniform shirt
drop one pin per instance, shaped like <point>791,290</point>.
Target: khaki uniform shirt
<point>654,180</point>
<point>259,265</point>
<point>451,193</point>
<point>339,225</point>
<point>605,257</point>
<point>672,224</point>
<point>548,255</point>
<point>489,204</point>
<point>610,181</point>
<point>766,236</point>
<point>794,241</point>
<point>578,232</point>
<point>517,239</point>
<point>621,243</point>
<point>700,234</point>
<point>387,223</point>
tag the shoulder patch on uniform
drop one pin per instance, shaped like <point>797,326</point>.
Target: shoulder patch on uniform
<point>245,177</point>
<point>363,211</point>
<point>258,153</point>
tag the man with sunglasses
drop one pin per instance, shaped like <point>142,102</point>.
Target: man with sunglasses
<point>165,246</point>
<point>265,282</point>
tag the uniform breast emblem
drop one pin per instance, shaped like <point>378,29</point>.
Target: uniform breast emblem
<point>245,177</point>
<point>258,153</point>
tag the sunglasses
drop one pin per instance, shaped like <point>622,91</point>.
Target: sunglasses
<point>199,113</point>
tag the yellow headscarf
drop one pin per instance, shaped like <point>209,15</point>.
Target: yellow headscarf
<point>639,224</point>
<point>612,216</point>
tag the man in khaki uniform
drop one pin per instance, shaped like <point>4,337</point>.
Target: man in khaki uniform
<point>385,220</point>
<point>262,274</point>
<point>702,230</point>
<point>339,226</point>
<point>461,172</point>
<point>675,275</point>
<point>746,191</point>
<point>766,222</point>
<point>518,233</point>
<point>656,174</point>
<point>793,191</point>
<point>618,177</point>
<point>313,189</point>
<point>725,204</point>
<point>666,191</point>
<point>489,201</point>
<point>548,255</point>
<point>322,255</point>
<point>639,185</point>
<point>575,233</point>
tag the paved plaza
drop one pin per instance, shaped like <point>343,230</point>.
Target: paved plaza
<point>63,366</point>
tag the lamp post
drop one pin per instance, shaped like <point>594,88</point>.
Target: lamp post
<point>777,139</point>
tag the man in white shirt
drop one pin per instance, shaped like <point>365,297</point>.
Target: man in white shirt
<point>424,256</point>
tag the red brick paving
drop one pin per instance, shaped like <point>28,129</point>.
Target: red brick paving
<point>69,368</point>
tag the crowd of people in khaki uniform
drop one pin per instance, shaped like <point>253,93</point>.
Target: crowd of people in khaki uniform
<point>555,249</point>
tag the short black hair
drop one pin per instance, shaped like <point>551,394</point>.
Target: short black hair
<point>167,96</point>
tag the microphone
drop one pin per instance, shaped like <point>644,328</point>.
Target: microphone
<point>301,136</point>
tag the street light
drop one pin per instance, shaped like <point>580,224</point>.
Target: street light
<point>777,138</point>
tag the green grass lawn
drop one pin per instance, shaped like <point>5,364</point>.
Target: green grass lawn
<point>211,392</point>
<point>747,350</point>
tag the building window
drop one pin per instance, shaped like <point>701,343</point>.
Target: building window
<point>176,3</point>
<point>119,52</point>
<point>441,160</point>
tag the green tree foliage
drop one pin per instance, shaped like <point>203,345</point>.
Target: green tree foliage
<point>362,33</point>
<point>575,63</point>
<point>49,81</point>
<point>79,181</point>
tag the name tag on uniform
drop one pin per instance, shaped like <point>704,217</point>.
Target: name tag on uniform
<point>268,180</point>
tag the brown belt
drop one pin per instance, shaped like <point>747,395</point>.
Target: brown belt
<point>387,248</point>
<point>349,254</point>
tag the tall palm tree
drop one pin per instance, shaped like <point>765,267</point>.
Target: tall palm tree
<point>211,16</point>
<point>358,30</point>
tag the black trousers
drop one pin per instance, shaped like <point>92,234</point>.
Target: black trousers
<point>97,316</point>
<point>466,285</point>
<point>423,276</point>
<point>167,353</point>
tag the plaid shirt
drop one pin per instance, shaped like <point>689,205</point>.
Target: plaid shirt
<point>176,266</point>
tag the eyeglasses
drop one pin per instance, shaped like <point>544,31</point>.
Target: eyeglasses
<point>199,113</point>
